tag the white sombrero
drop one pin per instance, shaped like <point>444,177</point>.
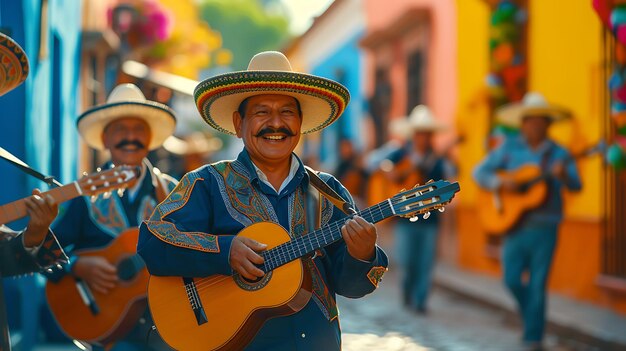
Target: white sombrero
<point>420,119</point>
<point>533,104</point>
<point>126,100</point>
<point>322,100</point>
<point>13,64</point>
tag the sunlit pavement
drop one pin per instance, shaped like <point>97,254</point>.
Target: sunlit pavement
<point>379,322</point>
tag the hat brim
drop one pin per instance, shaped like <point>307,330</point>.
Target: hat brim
<point>159,117</point>
<point>14,65</point>
<point>322,100</point>
<point>513,114</point>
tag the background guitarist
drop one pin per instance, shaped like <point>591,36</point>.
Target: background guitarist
<point>529,246</point>
<point>192,233</point>
<point>416,242</point>
<point>128,126</point>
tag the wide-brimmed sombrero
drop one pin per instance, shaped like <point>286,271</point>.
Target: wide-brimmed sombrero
<point>126,100</point>
<point>533,104</point>
<point>322,100</point>
<point>420,119</point>
<point>13,64</point>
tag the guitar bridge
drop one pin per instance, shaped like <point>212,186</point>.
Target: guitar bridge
<point>194,301</point>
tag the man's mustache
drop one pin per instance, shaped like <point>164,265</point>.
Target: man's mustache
<point>270,130</point>
<point>125,142</point>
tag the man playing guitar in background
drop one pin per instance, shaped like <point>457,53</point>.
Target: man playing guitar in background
<point>129,126</point>
<point>530,244</point>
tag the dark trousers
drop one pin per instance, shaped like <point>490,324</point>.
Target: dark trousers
<point>527,258</point>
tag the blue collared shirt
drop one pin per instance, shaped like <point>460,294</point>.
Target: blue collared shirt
<point>514,153</point>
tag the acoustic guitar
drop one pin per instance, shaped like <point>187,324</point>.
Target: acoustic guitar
<point>501,210</point>
<point>90,185</point>
<point>103,318</point>
<point>225,312</point>
<point>391,178</point>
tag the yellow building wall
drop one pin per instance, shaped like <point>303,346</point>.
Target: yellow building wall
<point>565,64</point>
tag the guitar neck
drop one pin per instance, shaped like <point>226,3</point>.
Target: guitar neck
<point>320,238</point>
<point>17,209</point>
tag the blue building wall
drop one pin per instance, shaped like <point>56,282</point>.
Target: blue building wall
<point>37,124</point>
<point>345,65</point>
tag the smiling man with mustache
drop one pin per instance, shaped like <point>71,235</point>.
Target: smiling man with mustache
<point>193,232</point>
<point>128,126</point>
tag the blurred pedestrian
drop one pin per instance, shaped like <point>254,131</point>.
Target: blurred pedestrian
<point>416,242</point>
<point>529,245</point>
<point>128,126</point>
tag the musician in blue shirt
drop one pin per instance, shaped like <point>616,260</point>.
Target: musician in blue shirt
<point>529,246</point>
<point>192,233</point>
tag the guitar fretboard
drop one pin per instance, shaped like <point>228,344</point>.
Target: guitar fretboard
<point>17,209</point>
<point>319,238</point>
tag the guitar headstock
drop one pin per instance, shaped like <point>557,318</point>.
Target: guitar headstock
<point>422,199</point>
<point>117,178</point>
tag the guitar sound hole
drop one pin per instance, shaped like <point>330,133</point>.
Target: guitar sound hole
<point>127,269</point>
<point>252,285</point>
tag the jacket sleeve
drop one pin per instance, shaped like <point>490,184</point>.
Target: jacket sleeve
<point>15,260</point>
<point>349,276</point>
<point>176,239</point>
<point>485,173</point>
<point>68,227</point>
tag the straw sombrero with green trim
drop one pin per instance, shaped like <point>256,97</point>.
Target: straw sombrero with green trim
<point>533,104</point>
<point>322,100</point>
<point>126,100</point>
<point>13,64</point>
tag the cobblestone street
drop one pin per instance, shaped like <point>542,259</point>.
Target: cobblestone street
<point>378,322</point>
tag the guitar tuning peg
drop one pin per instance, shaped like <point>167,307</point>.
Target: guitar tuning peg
<point>98,169</point>
<point>426,215</point>
<point>414,219</point>
<point>93,198</point>
<point>106,184</point>
<point>93,188</point>
<point>106,195</point>
<point>120,192</point>
<point>441,209</point>
<point>85,174</point>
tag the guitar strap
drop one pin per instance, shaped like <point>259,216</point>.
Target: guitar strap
<point>328,192</point>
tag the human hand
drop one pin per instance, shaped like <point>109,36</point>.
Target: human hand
<point>558,171</point>
<point>42,210</point>
<point>508,184</point>
<point>243,257</point>
<point>99,274</point>
<point>360,237</point>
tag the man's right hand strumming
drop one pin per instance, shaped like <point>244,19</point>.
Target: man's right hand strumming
<point>100,275</point>
<point>244,257</point>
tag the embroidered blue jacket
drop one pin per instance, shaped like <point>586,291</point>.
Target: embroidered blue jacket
<point>190,234</point>
<point>82,224</point>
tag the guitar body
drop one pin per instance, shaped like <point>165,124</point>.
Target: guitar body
<point>235,309</point>
<point>119,309</point>
<point>501,210</point>
<point>381,185</point>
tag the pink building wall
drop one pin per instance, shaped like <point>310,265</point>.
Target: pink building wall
<point>440,89</point>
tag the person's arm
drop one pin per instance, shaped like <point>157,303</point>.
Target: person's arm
<point>176,239</point>
<point>566,172</point>
<point>357,264</point>
<point>485,173</point>
<point>35,248</point>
